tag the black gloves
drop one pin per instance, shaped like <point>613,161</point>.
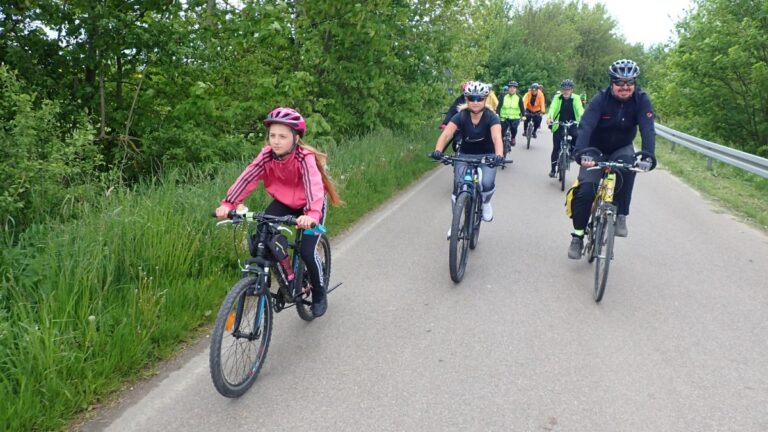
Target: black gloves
<point>436,155</point>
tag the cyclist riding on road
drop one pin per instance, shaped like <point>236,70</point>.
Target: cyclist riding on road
<point>610,124</point>
<point>566,106</point>
<point>534,104</point>
<point>510,110</point>
<point>481,136</point>
<point>454,108</point>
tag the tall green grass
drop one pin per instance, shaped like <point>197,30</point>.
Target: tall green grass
<point>741,192</point>
<point>86,304</point>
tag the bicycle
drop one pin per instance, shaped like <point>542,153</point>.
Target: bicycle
<point>467,213</point>
<point>602,221</point>
<point>529,129</point>
<point>507,140</point>
<point>564,157</point>
<point>243,327</point>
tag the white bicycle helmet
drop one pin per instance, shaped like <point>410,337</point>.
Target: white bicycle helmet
<point>476,88</point>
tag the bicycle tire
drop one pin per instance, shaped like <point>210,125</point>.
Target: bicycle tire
<point>304,302</point>
<point>561,167</point>
<point>477,218</point>
<point>528,135</point>
<point>603,254</point>
<point>457,249</point>
<point>589,249</point>
<point>507,146</point>
<point>253,324</point>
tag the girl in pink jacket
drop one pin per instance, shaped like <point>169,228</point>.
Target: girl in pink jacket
<point>294,175</point>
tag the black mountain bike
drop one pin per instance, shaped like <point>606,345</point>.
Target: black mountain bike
<point>529,128</point>
<point>243,327</point>
<point>507,140</point>
<point>602,221</point>
<point>564,158</point>
<point>467,213</point>
<point>529,132</point>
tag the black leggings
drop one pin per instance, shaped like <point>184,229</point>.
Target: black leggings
<point>308,243</point>
<point>536,121</point>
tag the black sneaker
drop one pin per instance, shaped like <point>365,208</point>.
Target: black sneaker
<point>621,226</point>
<point>552,173</point>
<point>319,303</point>
<point>534,134</point>
<point>577,244</point>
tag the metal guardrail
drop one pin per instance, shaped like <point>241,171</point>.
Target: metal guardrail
<point>737,158</point>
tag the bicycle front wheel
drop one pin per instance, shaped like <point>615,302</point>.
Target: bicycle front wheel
<point>304,298</point>
<point>477,218</point>
<point>240,338</point>
<point>528,135</point>
<point>460,233</point>
<point>562,165</point>
<point>604,237</point>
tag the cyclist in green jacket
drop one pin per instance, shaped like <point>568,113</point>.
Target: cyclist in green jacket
<point>566,106</point>
<point>510,110</point>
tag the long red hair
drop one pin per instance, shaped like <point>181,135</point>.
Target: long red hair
<point>322,159</point>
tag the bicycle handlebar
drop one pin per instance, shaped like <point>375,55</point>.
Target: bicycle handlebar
<point>233,217</point>
<point>473,161</point>
<point>641,161</point>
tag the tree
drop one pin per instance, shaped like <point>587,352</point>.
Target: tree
<point>714,66</point>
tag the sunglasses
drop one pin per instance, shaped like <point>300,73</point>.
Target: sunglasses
<point>624,83</point>
<point>475,98</point>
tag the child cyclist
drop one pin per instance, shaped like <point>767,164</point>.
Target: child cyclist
<point>294,175</point>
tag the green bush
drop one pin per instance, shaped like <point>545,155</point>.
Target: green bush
<point>45,167</point>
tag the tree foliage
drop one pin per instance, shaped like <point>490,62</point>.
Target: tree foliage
<point>44,162</point>
<point>552,41</point>
<point>714,81</point>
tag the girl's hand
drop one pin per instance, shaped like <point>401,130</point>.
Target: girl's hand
<point>305,222</point>
<point>221,212</point>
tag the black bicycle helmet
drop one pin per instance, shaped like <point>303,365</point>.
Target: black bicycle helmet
<point>535,86</point>
<point>513,84</point>
<point>624,69</point>
<point>566,84</point>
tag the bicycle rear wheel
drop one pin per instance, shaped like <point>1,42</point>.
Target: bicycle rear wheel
<point>304,299</point>
<point>460,233</point>
<point>604,236</point>
<point>240,338</point>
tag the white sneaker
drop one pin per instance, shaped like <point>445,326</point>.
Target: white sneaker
<point>487,212</point>
<point>448,236</point>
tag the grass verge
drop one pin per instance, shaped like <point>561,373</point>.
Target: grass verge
<point>85,305</point>
<point>741,192</point>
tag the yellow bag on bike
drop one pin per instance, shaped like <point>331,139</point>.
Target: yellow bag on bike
<point>569,198</point>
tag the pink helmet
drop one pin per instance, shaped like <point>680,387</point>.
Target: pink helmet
<point>289,117</point>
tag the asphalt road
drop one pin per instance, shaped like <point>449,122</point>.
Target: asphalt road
<point>678,344</point>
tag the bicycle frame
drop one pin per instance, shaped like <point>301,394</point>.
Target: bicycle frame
<point>262,265</point>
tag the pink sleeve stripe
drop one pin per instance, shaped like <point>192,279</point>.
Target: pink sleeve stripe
<point>255,171</point>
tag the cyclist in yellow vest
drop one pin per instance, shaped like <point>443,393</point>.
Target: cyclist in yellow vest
<point>510,110</point>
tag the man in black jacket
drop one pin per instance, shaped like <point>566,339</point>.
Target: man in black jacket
<point>610,124</point>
